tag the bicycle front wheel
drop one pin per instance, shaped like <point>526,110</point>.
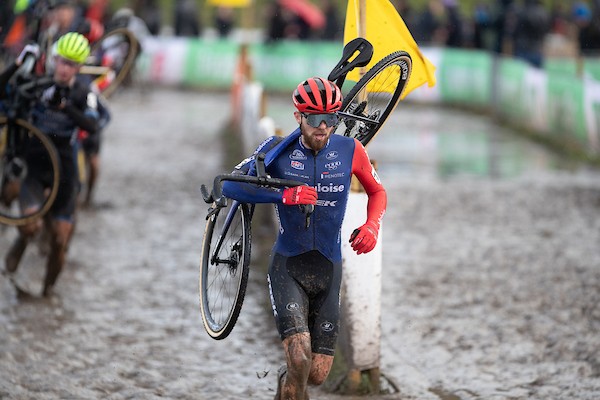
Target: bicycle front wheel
<point>111,59</point>
<point>374,97</point>
<point>20,144</point>
<point>224,268</point>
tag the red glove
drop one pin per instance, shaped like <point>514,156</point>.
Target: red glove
<point>299,195</point>
<point>364,239</point>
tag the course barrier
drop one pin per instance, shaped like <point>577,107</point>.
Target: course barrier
<point>554,103</point>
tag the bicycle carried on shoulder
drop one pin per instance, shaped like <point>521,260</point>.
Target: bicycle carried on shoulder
<point>369,103</point>
<point>225,258</point>
<point>21,142</point>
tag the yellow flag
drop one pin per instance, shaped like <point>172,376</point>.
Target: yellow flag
<point>230,3</point>
<point>388,33</point>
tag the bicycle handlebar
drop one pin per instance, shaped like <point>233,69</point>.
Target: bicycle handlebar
<point>261,179</point>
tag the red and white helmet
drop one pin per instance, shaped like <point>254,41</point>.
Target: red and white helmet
<point>317,96</point>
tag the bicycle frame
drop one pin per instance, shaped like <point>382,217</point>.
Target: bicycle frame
<point>224,230</point>
<point>219,201</point>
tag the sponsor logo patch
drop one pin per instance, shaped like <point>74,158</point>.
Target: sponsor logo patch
<point>297,165</point>
<point>297,155</point>
<point>333,165</point>
<point>329,175</point>
<point>327,326</point>
<point>327,203</point>
<point>332,155</point>
<point>331,188</point>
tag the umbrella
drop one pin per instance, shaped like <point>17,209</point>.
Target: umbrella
<point>304,9</point>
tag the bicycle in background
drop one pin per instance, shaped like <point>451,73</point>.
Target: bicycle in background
<point>20,141</point>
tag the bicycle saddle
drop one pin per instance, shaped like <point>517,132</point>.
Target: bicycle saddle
<point>365,53</point>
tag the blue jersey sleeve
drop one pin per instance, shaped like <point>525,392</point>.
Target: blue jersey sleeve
<point>247,192</point>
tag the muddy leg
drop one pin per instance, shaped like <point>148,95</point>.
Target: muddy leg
<point>59,236</point>
<point>298,356</point>
<point>16,251</point>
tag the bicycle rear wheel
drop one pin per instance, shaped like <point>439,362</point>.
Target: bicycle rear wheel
<point>374,97</point>
<point>111,59</point>
<point>224,268</point>
<point>18,140</point>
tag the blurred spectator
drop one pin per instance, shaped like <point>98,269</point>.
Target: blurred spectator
<point>454,24</point>
<point>528,30</point>
<point>433,24</point>
<point>503,15</point>
<point>588,22</point>
<point>150,13</point>
<point>406,13</point>
<point>483,27</point>
<point>284,24</point>
<point>276,23</point>
<point>187,22</point>
<point>559,16</point>
<point>224,20</point>
<point>333,29</point>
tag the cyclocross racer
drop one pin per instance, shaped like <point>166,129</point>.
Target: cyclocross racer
<point>65,106</point>
<point>306,265</point>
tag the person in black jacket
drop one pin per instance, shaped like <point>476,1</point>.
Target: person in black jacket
<point>65,106</point>
<point>528,31</point>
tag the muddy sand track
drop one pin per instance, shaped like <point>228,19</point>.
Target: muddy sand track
<point>491,288</point>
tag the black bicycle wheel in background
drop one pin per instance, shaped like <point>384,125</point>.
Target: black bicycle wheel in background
<point>224,271</point>
<point>114,54</point>
<point>18,140</point>
<point>374,97</point>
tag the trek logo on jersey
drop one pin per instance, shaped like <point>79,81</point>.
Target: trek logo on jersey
<point>327,203</point>
<point>331,188</point>
<point>297,155</point>
<point>329,175</point>
<point>327,326</point>
<point>297,165</point>
<point>333,165</point>
<point>331,155</point>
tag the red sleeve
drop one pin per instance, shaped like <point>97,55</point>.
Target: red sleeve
<point>366,174</point>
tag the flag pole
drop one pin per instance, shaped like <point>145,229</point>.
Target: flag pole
<point>362,27</point>
<point>361,311</point>
<point>362,18</point>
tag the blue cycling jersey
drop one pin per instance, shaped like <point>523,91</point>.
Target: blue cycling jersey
<point>329,171</point>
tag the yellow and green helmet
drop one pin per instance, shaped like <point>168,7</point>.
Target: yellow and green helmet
<point>73,46</point>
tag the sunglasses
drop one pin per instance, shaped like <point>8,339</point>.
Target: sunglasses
<point>315,120</point>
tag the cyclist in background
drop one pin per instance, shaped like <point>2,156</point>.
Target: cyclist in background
<point>64,107</point>
<point>91,144</point>
<point>305,271</point>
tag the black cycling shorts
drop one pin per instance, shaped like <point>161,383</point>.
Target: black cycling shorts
<point>91,144</point>
<point>39,180</point>
<point>305,295</point>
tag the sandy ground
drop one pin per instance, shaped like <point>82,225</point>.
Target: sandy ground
<point>491,284</point>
